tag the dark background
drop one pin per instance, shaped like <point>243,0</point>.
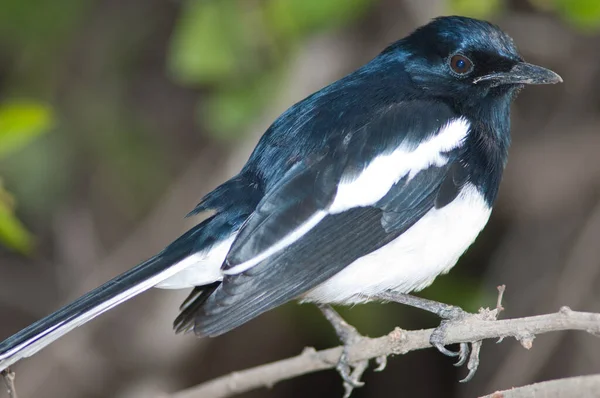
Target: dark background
<point>120,114</point>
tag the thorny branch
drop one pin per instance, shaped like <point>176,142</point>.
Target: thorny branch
<point>475,328</point>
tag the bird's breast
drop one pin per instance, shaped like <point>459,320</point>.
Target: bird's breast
<point>411,262</point>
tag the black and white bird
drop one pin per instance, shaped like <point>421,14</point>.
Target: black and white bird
<point>366,190</point>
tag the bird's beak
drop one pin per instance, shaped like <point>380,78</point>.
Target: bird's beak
<point>522,73</point>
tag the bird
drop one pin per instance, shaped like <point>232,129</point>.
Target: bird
<point>366,190</point>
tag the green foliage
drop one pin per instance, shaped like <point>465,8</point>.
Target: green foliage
<point>231,108</point>
<point>584,14</point>
<point>12,233</point>
<point>37,21</point>
<point>482,9</point>
<point>20,123</point>
<point>291,20</point>
<point>35,31</point>
<point>237,48</point>
<point>206,43</point>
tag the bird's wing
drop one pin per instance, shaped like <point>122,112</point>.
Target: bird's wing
<point>330,210</point>
<point>292,207</point>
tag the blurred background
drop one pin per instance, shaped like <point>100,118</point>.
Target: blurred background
<point>117,116</point>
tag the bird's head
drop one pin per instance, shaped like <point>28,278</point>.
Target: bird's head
<point>466,61</point>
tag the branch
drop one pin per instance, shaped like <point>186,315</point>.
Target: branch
<point>9,380</point>
<point>474,328</point>
<point>580,386</point>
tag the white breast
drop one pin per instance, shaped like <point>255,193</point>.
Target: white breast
<point>375,181</point>
<point>413,260</point>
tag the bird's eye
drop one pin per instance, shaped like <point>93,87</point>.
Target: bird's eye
<point>461,64</point>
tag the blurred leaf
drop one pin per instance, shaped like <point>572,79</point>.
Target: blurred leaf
<point>21,122</point>
<point>35,33</point>
<point>475,8</point>
<point>238,47</point>
<point>39,20</point>
<point>584,14</point>
<point>205,43</point>
<point>12,233</point>
<point>227,111</point>
<point>291,19</point>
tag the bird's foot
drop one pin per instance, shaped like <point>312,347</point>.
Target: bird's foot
<point>351,372</point>
<point>438,337</point>
<point>449,314</point>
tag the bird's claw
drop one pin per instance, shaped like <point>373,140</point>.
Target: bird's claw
<point>437,340</point>
<point>345,369</point>
<point>352,378</point>
<point>473,363</point>
<point>441,348</point>
<point>450,313</point>
<point>350,372</point>
<point>469,375</point>
<point>464,353</point>
<point>381,363</point>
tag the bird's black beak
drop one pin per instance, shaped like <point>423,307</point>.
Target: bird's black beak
<point>522,73</point>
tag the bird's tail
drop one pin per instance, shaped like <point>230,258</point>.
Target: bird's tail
<point>133,282</point>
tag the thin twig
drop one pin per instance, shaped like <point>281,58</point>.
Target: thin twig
<point>581,386</point>
<point>501,290</point>
<point>9,379</point>
<point>580,270</point>
<point>399,341</point>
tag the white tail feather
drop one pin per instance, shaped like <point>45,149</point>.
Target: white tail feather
<point>40,340</point>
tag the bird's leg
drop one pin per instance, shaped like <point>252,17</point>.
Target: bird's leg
<point>448,313</point>
<point>348,336</point>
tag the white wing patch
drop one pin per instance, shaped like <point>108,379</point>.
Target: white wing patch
<point>384,171</point>
<point>375,181</point>
<point>280,245</point>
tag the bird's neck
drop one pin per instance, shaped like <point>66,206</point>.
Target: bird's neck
<point>487,146</point>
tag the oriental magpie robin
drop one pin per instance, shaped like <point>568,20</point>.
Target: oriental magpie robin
<point>366,190</point>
